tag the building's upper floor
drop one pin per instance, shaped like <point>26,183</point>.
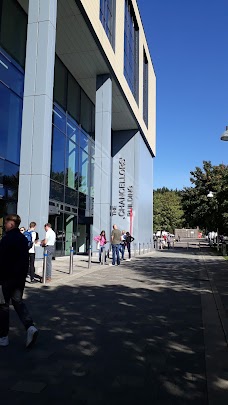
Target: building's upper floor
<point>107,37</point>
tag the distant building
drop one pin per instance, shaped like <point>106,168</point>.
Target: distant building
<point>187,233</point>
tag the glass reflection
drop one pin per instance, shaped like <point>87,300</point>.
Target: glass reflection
<point>11,76</point>
<point>58,156</point>
<point>72,164</point>
<point>59,119</point>
<point>84,171</point>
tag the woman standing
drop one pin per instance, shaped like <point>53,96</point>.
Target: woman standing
<point>129,239</point>
<point>101,240</point>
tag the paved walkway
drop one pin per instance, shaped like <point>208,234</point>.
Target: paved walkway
<point>147,332</point>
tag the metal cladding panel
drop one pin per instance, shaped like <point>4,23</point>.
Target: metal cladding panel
<point>132,185</point>
<point>145,193</point>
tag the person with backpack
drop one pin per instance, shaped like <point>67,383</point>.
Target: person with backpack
<point>128,240</point>
<point>32,237</point>
<point>14,258</point>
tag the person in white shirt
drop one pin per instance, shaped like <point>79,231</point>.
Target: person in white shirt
<point>31,271</point>
<point>49,242</point>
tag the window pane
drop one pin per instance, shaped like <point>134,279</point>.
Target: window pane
<point>9,179</point>
<point>73,98</point>
<point>82,202</point>
<point>72,130</point>
<point>59,119</point>
<point>13,30</point>
<point>71,196</point>
<point>92,178</point>
<point>84,141</point>
<point>10,124</point>
<point>56,191</point>
<point>11,76</point>
<point>58,156</point>
<point>86,112</point>
<point>60,83</point>
<point>84,172</point>
<point>72,164</point>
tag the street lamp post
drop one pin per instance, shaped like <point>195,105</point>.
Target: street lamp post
<point>211,195</point>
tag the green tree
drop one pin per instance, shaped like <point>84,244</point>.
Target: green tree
<point>168,213</point>
<point>199,210</point>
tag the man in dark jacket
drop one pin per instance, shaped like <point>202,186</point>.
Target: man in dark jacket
<point>14,261</point>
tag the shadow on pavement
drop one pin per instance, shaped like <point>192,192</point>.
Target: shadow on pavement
<point>132,337</point>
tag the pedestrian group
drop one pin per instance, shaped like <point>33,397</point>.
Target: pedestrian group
<point>119,241</point>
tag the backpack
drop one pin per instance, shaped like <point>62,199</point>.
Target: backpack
<point>28,235</point>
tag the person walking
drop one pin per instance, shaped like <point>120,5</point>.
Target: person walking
<point>14,258</point>
<point>101,240</point>
<point>49,243</point>
<point>34,235</point>
<point>122,244</point>
<point>129,239</point>
<point>115,238</point>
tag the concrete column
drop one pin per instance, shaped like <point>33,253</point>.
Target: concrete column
<point>102,169</point>
<point>34,180</point>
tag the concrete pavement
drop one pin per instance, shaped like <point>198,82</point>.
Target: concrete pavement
<point>146,332</point>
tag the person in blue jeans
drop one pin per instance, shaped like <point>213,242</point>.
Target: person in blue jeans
<point>115,238</point>
<point>122,244</point>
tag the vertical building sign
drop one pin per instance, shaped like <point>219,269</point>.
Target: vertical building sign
<point>124,208</point>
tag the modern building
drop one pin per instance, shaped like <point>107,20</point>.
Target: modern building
<point>77,118</point>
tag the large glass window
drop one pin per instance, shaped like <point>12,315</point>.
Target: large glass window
<point>10,124</point>
<point>145,89</point>
<point>71,163</point>
<point>13,29</point>
<point>131,49</point>
<point>107,17</point>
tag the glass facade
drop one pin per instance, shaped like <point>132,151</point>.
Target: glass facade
<point>145,88</point>
<point>13,20</point>
<point>72,168</point>
<point>72,163</point>
<point>107,17</point>
<point>131,49</point>
<point>11,92</point>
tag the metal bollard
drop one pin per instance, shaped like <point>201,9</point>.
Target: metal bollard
<point>134,249</point>
<point>147,247</point>
<point>143,248</point>
<point>71,260</point>
<point>139,248</point>
<point>89,258</point>
<point>44,266</point>
<point>173,245</point>
<point>103,256</point>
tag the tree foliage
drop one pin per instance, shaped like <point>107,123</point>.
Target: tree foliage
<point>168,211</point>
<point>199,210</point>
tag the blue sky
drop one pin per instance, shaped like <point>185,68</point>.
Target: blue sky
<point>188,42</point>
